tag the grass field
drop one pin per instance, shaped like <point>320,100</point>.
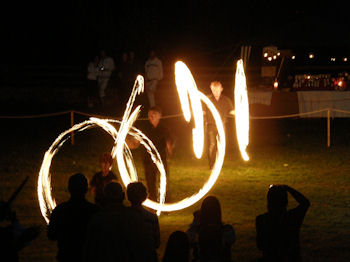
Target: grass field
<point>291,152</point>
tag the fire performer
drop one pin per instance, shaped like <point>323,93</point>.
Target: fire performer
<point>161,137</point>
<point>225,108</point>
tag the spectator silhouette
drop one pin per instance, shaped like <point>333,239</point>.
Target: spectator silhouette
<point>13,236</point>
<point>177,248</point>
<point>102,178</point>
<point>69,220</point>
<point>137,194</point>
<point>116,232</point>
<point>278,230</point>
<point>210,238</point>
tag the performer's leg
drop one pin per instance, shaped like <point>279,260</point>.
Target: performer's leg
<point>151,175</point>
<point>151,88</point>
<point>211,133</point>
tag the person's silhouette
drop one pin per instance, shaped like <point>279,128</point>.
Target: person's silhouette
<point>137,194</point>
<point>68,221</point>
<point>210,238</point>
<point>278,230</point>
<point>116,232</point>
<point>177,248</point>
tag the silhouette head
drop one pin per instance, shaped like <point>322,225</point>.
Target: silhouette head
<point>210,211</point>
<point>77,185</point>
<point>137,193</point>
<point>277,199</point>
<point>113,193</point>
<point>177,248</point>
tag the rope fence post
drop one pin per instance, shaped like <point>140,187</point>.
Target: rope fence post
<point>328,127</point>
<point>71,125</point>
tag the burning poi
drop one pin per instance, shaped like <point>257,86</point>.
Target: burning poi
<point>189,95</point>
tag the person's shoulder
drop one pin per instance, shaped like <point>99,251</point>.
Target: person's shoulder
<point>226,98</point>
<point>95,178</point>
<point>261,217</point>
<point>93,207</point>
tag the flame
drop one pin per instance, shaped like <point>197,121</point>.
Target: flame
<point>241,110</point>
<point>187,90</point>
<point>117,151</point>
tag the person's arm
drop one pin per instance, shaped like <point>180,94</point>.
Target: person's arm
<point>299,197</point>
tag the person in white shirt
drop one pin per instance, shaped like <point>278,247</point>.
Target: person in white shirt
<point>106,66</point>
<point>153,74</point>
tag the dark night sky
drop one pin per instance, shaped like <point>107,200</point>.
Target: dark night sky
<point>69,32</point>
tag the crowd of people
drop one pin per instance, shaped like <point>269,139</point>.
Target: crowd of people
<point>119,228</point>
<point>103,68</point>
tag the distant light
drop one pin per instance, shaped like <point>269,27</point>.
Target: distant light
<point>274,57</point>
<point>275,84</point>
<point>293,57</point>
<point>308,77</point>
<point>279,53</point>
<point>345,59</point>
<point>340,83</point>
<point>265,54</point>
<point>311,56</point>
<point>332,59</point>
<point>269,58</point>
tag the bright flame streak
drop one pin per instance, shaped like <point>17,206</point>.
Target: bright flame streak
<point>187,90</point>
<point>46,202</point>
<point>221,145</point>
<point>241,110</point>
<point>117,151</point>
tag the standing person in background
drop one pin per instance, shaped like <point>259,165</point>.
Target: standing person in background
<point>106,66</point>
<point>278,230</point>
<point>102,178</point>
<point>92,78</point>
<point>153,74</point>
<point>224,105</point>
